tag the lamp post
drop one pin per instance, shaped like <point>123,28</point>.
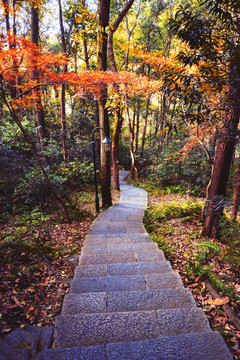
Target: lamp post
<point>107,146</point>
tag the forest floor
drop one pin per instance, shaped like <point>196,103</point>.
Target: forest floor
<point>38,256</point>
<point>36,274</point>
<point>206,266</point>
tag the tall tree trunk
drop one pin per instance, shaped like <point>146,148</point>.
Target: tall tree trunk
<point>63,90</point>
<point>134,171</point>
<point>145,126</point>
<point>103,22</point>
<point>118,116</point>
<point>86,57</point>
<point>38,101</point>
<point>223,157</point>
<point>130,31</point>
<point>137,124</point>
<point>12,87</point>
<point>211,155</point>
<point>6,14</point>
<point>117,122</point>
<point>115,149</point>
<point>236,194</point>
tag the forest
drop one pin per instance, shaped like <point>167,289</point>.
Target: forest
<point>162,78</point>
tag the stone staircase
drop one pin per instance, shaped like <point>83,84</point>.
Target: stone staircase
<point>126,302</point>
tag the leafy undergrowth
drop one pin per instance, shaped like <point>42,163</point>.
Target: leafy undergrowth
<point>173,221</point>
<point>38,257</point>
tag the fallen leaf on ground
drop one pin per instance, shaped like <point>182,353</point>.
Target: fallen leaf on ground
<point>219,301</point>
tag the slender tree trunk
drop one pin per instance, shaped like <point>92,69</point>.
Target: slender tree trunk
<point>223,157</point>
<point>212,143</point>
<point>103,22</point>
<point>115,149</point>
<point>105,157</point>
<point>145,126</point>
<point>86,58</point>
<point>63,90</point>
<point>37,94</point>
<point>137,124</point>
<point>134,171</point>
<point>130,31</point>
<point>117,122</point>
<point>6,14</point>
<point>236,194</point>
<point>118,116</point>
<point>12,83</point>
<point>211,155</point>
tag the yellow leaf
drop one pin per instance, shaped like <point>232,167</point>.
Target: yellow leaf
<point>219,301</point>
<point>26,346</point>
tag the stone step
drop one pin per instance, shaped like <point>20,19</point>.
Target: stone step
<point>127,301</point>
<point>196,346</point>
<point>118,248</point>
<point>95,239</point>
<point>121,257</point>
<point>103,328</point>
<point>103,224</point>
<point>125,283</point>
<point>115,219</point>
<point>135,268</point>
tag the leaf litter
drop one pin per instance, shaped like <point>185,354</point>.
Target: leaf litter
<point>34,280</point>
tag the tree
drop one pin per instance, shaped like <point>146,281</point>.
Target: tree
<point>81,36</point>
<point>203,36</point>
<point>38,102</point>
<point>236,194</point>
<point>63,89</point>
<point>117,113</point>
<point>103,22</point>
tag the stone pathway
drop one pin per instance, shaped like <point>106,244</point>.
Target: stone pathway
<point>125,301</point>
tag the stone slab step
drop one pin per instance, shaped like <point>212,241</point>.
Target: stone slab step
<point>149,300</point>
<point>97,352</point>
<point>96,259</point>
<point>103,328</point>
<point>125,283</point>
<point>135,268</point>
<point>127,301</point>
<point>118,238</point>
<point>104,224</point>
<point>121,257</point>
<point>118,248</point>
<point>102,230</point>
<point>116,219</point>
<point>196,346</point>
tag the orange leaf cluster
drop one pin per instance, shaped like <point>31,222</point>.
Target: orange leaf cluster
<point>25,67</point>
